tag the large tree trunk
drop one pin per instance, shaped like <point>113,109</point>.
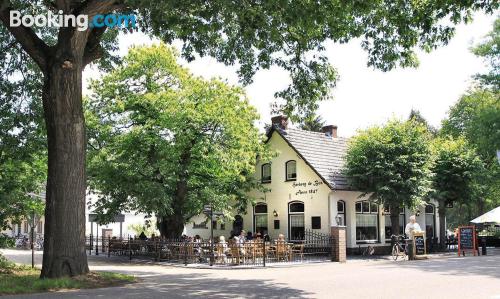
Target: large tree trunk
<point>394,222</point>
<point>442,225</point>
<point>64,244</point>
<point>171,227</point>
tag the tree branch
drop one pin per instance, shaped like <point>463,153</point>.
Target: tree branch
<point>93,49</point>
<point>30,42</point>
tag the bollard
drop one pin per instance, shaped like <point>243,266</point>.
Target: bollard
<point>410,249</point>
<point>91,244</point>
<point>264,252</point>
<point>130,247</point>
<point>185,253</point>
<point>483,246</point>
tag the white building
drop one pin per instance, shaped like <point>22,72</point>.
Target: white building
<point>111,229</point>
<point>308,192</point>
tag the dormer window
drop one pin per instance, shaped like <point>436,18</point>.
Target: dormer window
<point>266,173</point>
<point>291,170</point>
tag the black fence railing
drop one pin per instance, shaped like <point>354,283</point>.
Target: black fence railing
<point>314,247</point>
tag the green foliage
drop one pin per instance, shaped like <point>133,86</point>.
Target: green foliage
<point>312,122</point>
<point>6,266</point>
<point>455,169</point>
<point>390,163</point>
<point>477,117</point>
<point>147,228</point>
<point>6,241</point>
<point>489,50</point>
<point>287,34</point>
<point>24,280</point>
<point>165,142</point>
<point>416,116</point>
<point>22,131</point>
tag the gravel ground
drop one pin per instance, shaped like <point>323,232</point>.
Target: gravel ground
<point>443,277</point>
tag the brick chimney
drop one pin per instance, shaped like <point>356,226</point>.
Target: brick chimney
<point>280,122</point>
<point>330,131</point>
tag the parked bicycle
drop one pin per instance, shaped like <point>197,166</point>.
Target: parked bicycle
<point>22,242</point>
<point>399,247</point>
<point>368,251</point>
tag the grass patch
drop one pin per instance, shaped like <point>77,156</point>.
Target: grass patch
<point>22,279</point>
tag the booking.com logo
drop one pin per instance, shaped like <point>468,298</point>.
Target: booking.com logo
<point>81,22</point>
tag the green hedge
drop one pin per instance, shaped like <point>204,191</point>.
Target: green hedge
<point>6,241</point>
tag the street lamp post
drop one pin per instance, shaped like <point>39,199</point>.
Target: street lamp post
<point>209,212</point>
<point>211,235</point>
<point>34,221</point>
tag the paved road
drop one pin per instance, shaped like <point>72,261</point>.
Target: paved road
<point>470,277</point>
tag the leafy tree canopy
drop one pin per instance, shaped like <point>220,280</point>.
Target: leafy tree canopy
<point>390,163</point>
<point>416,116</point>
<point>312,122</point>
<point>165,142</point>
<point>455,169</point>
<point>477,117</point>
<point>255,34</point>
<point>489,50</point>
<point>22,146</point>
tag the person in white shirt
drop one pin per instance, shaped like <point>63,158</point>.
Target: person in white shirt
<point>412,227</point>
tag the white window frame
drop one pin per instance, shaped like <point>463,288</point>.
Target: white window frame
<point>289,174</point>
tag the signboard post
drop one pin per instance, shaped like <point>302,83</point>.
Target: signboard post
<point>419,243</point>
<point>467,239</point>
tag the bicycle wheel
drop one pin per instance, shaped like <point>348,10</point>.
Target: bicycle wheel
<point>395,252</point>
<point>405,253</point>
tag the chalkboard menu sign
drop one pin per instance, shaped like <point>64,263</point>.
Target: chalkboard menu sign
<point>466,239</point>
<point>419,243</point>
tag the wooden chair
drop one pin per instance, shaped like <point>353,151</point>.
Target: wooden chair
<point>186,252</point>
<point>235,253</point>
<point>297,249</point>
<point>270,251</point>
<point>249,251</point>
<point>220,254</point>
<point>282,251</point>
<point>259,249</point>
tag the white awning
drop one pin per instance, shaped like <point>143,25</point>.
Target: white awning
<point>492,216</point>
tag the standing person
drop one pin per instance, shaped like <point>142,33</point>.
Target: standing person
<point>412,227</point>
<point>242,237</point>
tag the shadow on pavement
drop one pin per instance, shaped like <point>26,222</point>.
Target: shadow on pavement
<point>184,286</point>
<point>474,265</point>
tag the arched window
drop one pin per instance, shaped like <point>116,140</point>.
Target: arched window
<point>266,173</point>
<point>237,224</point>
<point>291,170</point>
<point>430,221</point>
<point>260,218</point>
<point>341,212</point>
<point>366,221</point>
<point>388,223</point>
<point>296,226</point>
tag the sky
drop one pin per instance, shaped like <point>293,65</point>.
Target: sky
<point>363,96</point>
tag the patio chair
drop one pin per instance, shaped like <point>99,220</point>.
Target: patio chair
<point>297,250</point>
<point>282,252</point>
<point>270,251</point>
<point>220,255</point>
<point>235,253</point>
